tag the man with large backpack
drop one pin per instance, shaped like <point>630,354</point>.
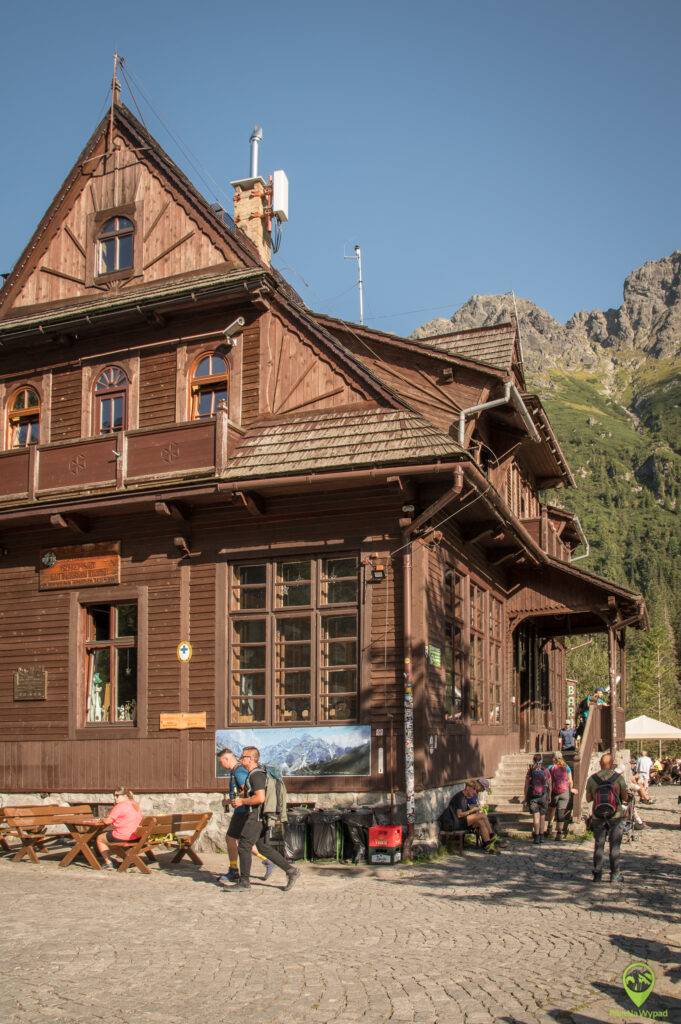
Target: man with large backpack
<point>607,791</point>
<point>537,796</point>
<point>265,795</point>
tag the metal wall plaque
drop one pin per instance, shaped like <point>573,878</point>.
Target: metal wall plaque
<point>82,565</point>
<point>30,683</point>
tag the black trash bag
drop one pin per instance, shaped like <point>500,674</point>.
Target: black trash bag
<point>324,831</point>
<point>383,815</point>
<point>355,825</point>
<point>295,832</point>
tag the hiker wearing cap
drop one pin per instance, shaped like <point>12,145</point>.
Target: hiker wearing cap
<point>606,791</point>
<point>537,796</point>
<point>561,791</point>
<point>255,827</point>
<point>465,808</point>
<point>237,780</point>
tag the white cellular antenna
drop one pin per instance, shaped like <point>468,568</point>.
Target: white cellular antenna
<point>360,280</point>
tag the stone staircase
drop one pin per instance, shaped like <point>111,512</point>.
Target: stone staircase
<point>506,791</point>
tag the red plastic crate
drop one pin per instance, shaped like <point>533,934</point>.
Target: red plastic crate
<point>385,835</point>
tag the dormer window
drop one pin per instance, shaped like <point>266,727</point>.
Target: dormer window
<point>209,385</point>
<point>115,246</point>
<point>24,418</point>
<point>111,401</point>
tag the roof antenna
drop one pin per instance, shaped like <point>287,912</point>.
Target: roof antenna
<point>360,280</point>
<point>115,94</point>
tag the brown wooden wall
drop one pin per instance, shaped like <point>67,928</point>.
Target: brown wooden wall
<point>41,746</point>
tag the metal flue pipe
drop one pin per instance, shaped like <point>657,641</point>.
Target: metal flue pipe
<point>255,140</point>
<point>511,396</point>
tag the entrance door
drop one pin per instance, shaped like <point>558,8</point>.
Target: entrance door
<point>531,686</point>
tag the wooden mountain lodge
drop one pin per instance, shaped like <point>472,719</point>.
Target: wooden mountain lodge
<point>222,510</point>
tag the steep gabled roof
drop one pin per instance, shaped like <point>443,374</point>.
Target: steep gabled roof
<point>127,125</point>
<point>339,439</point>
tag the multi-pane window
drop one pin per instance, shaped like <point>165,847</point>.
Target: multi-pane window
<point>477,664</point>
<point>111,394</point>
<point>294,641</point>
<point>115,246</point>
<point>24,418</point>
<point>453,647</point>
<point>209,385</point>
<point>111,663</point>
<point>496,661</point>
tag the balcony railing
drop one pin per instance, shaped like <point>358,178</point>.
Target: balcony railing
<point>124,460</point>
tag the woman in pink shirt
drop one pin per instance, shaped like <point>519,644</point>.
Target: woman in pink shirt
<point>124,819</point>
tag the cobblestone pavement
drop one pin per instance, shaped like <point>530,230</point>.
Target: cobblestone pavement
<point>523,936</point>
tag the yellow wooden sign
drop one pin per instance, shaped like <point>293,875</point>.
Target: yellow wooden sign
<point>183,720</point>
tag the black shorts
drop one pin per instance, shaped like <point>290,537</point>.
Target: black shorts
<point>236,825</point>
<point>539,805</point>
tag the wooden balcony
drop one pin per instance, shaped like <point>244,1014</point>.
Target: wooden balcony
<point>115,462</point>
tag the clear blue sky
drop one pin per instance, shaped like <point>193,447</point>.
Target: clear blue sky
<point>469,146</point>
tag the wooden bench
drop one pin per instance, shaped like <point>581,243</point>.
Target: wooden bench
<point>4,845</point>
<point>30,826</point>
<point>180,831</point>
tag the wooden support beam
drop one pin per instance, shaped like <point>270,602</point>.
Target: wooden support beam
<point>506,556</point>
<point>70,522</point>
<point>173,510</point>
<point>252,502</point>
<point>476,533</point>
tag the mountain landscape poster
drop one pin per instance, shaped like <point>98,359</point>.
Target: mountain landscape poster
<point>325,750</point>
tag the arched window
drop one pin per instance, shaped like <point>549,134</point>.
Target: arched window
<point>115,244</point>
<point>209,385</point>
<point>111,401</point>
<point>24,418</point>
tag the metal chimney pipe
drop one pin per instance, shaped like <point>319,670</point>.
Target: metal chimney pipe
<point>255,140</point>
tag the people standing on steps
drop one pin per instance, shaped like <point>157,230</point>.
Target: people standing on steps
<point>562,789</point>
<point>606,791</point>
<point>254,830</point>
<point>237,780</point>
<point>537,796</point>
<point>566,737</point>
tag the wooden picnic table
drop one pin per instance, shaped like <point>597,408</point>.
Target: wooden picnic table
<point>29,825</point>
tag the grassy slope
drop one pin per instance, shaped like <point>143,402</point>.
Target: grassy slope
<point>630,514</point>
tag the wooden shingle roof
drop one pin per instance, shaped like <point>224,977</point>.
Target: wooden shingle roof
<point>339,439</point>
<point>493,345</point>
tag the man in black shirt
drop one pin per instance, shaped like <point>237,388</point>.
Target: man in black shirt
<point>566,737</point>
<point>255,828</point>
<point>467,813</point>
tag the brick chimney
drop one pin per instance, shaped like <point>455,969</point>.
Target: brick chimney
<point>252,213</point>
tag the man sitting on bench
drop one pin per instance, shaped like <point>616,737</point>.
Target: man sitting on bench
<point>466,812</point>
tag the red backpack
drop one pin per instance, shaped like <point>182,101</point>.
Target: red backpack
<point>606,798</point>
<point>537,787</point>
<point>560,776</point>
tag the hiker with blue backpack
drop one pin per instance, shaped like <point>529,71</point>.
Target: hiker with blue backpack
<point>265,800</point>
<point>538,786</point>
<point>606,791</point>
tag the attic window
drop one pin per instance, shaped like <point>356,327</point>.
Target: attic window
<point>115,246</point>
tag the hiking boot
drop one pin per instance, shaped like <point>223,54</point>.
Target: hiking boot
<point>597,876</point>
<point>536,839</point>
<point>292,877</point>
<point>231,876</point>
<point>269,868</point>
<point>558,837</point>
<point>616,876</point>
<point>240,887</point>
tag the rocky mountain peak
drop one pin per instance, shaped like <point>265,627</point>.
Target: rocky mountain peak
<point>647,324</point>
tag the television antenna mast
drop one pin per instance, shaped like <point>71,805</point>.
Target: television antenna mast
<point>360,280</point>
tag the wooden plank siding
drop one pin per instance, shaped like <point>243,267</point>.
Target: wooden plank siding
<point>38,750</point>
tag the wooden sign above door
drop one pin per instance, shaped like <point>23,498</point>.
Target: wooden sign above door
<point>82,565</point>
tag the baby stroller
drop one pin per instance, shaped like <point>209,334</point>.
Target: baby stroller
<point>630,832</point>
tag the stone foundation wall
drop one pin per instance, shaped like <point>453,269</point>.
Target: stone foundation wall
<point>429,805</point>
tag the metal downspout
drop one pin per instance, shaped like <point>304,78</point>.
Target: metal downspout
<point>511,396</point>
